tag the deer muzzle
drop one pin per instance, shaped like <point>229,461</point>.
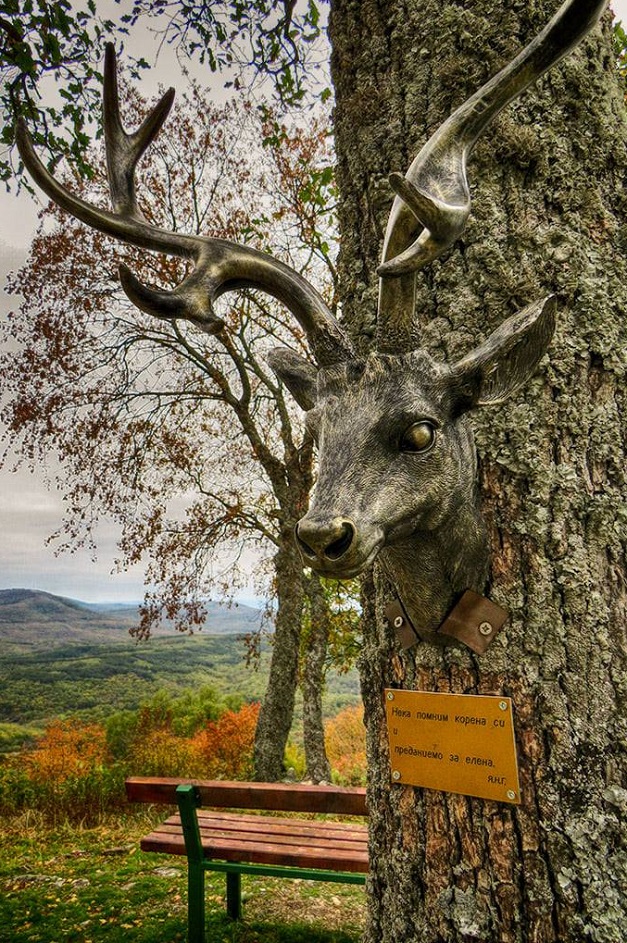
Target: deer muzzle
<point>334,546</point>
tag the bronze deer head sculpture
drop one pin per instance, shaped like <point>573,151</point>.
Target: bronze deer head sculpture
<point>397,466</point>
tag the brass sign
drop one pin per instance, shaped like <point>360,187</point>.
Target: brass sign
<point>453,742</point>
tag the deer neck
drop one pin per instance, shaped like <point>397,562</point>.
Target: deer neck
<point>430,569</point>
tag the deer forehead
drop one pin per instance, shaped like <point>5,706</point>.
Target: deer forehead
<point>384,386</point>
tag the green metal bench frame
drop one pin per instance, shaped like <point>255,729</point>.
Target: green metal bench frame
<point>188,799</point>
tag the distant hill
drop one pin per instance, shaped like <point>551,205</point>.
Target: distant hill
<point>64,658</point>
<point>34,619</point>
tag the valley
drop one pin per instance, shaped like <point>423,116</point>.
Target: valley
<point>60,657</point>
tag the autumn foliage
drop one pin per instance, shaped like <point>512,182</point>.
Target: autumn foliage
<point>67,774</point>
<point>226,746</point>
<point>67,750</point>
<point>345,737</point>
<point>163,753</point>
<point>75,770</point>
<point>72,772</point>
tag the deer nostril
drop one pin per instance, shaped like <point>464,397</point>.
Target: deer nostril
<point>324,540</point>
<point>339,547</point>
<point>305,548</point>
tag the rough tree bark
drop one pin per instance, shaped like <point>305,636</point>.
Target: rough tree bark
<point>549,214</point>
<point>312,683</point>
<point>292,485</point>
<point>277,710</point>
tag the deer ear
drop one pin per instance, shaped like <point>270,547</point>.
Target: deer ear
<point>299,376</point>
<point>503,363</point>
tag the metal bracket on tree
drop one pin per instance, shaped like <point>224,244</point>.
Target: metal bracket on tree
<point>474,620</point>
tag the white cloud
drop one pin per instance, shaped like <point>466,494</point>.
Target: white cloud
<point>29,514</point>
<point>620,9</point>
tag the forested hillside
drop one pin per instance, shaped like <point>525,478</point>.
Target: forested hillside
<point>59,657</point>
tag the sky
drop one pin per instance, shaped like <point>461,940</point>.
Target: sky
<point>29,511</point>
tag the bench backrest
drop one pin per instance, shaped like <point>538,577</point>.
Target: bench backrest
<point>271,797</point>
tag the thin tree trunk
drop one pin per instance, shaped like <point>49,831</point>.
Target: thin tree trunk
<point>277,710</point>
<point>548,215</point>
<point>312,684</point>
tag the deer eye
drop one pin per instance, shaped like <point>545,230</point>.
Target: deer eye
<point>418,438</point>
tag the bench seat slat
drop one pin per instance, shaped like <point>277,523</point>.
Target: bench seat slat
<point>260,829</point>
<point>329,843</point>
<point>292,855</point>
<point>265,823</point>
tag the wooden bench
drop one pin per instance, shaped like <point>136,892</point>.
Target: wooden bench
<point>238,843</point>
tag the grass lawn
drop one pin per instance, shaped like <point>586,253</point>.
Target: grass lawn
<point>94,885</point>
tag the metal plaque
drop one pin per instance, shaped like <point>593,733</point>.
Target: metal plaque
<point>453,742</point>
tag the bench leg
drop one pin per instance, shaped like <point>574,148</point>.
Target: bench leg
<point>195,903</point>
<point>234,895</point>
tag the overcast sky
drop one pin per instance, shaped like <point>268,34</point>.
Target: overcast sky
<point>29,512</point>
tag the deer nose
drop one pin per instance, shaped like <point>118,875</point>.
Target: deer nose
<point>324,540</point>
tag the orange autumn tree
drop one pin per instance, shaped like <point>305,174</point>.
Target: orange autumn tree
<point>346,745</point>
<point>187,441</point>
<point>225,746</point>
<point>68,773</point>
<point>68,749</point>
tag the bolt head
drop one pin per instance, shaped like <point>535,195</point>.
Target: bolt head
<point>511,794</point>
<point>396,775</point>
<point>503,705</point>
<point>486,628</point>
<point>390,695</point>
<point>398,622</point>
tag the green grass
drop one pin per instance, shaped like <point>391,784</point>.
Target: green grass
<point>76,885</point>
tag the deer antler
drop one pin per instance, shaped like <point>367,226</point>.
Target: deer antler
<point>432,204</point>
<point>219,265</point>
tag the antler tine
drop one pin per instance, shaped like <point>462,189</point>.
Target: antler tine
<point>432,204</point>
<point>123,150</point>
<point>219,265</point>
<point>435,189</point>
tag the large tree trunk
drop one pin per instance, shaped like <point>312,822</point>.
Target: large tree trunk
<point>548,215</point>
<point>277,710</point>
<point>312,683</point>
